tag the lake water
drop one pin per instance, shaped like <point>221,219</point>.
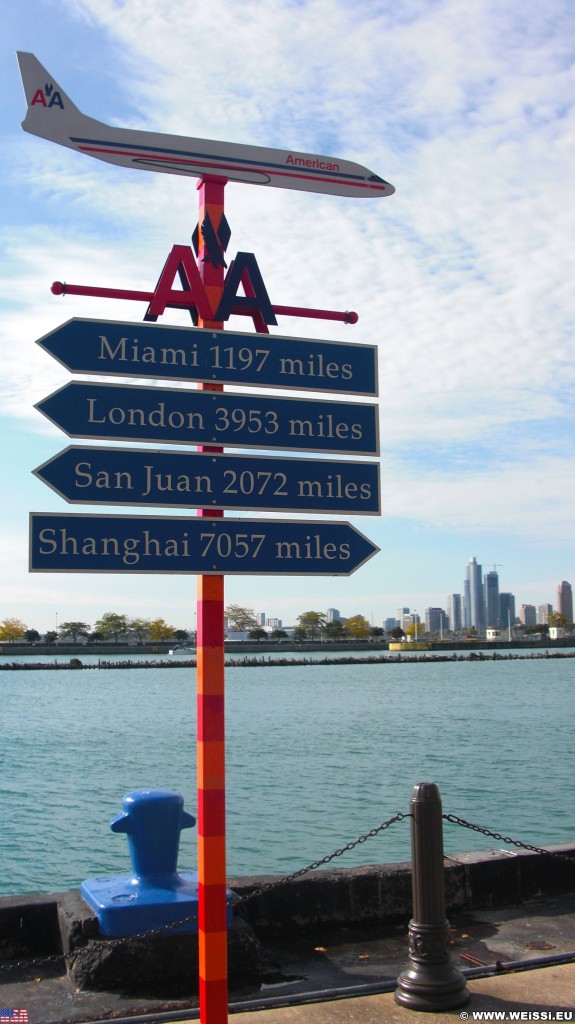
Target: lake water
<point>316,756</point>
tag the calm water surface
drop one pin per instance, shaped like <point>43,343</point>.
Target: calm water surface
<point>316,756</point>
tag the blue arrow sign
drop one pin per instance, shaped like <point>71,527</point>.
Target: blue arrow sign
<point>120,476</point>
<point>155,544</point>
<point>105,347</point>
<point>181,416</point>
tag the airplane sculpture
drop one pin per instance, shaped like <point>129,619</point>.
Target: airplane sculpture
<point>52,115</point>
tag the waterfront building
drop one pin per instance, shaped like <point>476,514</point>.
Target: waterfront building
<point>474,595</point>
<point>411,619</point>
<point>543,613</point>
<point>565,600</point>
<point>333,615</point>
<point>527,615</point>
<point>399,616</point>
<point>507,610</point>
<point>454,612</point>
<point>274,623</point>
<point>436,621</point>
<point>491,592</point>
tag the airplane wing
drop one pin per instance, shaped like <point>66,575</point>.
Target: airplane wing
<point>52,115</point>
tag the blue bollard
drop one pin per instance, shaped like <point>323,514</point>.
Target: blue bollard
<point>155,894</point>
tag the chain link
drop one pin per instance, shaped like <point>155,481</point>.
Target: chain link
<point>454,820</point>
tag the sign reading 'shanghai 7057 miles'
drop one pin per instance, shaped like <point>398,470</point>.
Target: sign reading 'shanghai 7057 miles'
<point>93,543</point>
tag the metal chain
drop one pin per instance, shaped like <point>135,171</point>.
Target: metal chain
<point>324,860</point>
<point>454,820</point>
<point>236,901</point>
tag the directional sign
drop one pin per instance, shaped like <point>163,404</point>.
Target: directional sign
<point>178,416</point>
<point>140,544</point>
<point>105,347</point>
<point>52,115</point>
<point>120,476</point>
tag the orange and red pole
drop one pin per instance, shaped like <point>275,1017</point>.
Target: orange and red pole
<point>212,929</point>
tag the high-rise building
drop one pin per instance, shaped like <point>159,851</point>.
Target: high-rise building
<point>507,610</point>
<point>435,621</point>
<point>333,615</point>
<point>565,600</point>
<point>527,615</point>
<point>475,591</point>
<point>491,592</point>
<point>399,616</point>
<point>389,624</point>
<point>543,613</point>
<point>454,612</point>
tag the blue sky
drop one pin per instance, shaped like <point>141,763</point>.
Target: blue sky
<point>463,278</point>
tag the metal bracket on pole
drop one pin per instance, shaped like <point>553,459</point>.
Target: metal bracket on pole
<point>431,982</point>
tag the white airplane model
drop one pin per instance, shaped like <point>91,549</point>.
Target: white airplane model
<point>52,115</point>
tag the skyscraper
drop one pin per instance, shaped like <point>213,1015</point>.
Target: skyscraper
<point>565,600</point>
<point>528,615</point>
<point>491,590</point>
<point>507,610</point>
<point>454,612</point>
<point>543,613</point>
<point>476,605</point>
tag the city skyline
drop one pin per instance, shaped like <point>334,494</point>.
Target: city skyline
<point>462,278</point>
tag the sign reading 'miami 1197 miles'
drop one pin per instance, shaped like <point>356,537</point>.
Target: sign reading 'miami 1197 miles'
<point>226,357</point>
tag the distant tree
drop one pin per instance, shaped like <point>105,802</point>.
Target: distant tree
<point>312,622</point>
<point>240,618</point>
<point>334,630</point>
<point>300,633</point>
<point>12,630</point>
<point>72,630</point>
<point>415,629</point>
<point>31,636</point>
<point>159,630</point>
<point>376,631</point>
<point>278,634</point>
<point>558,619</point>
<point>357,627</point>
<point>257,634</point>
<point>397,633</point>
<point>181,635</point>
<point>112,624</point>
<point>95,636</point>
<point>139,628</point>
<point>50,637</point>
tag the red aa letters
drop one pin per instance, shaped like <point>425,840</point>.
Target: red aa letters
<point>243,272</point>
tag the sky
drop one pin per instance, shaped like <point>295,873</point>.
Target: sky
<point>463,278</point>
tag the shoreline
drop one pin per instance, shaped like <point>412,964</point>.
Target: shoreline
<point>75,664</point>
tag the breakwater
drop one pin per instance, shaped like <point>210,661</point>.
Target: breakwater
<point>75,664</point>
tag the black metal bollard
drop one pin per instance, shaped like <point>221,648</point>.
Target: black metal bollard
<point>430,982</point>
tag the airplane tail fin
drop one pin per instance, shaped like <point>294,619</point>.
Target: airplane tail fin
<point>51,112</point>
